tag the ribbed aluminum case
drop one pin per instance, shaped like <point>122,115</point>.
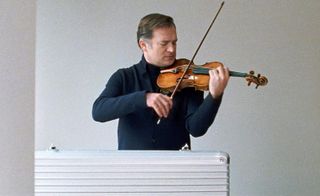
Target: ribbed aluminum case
<point>124,173</point>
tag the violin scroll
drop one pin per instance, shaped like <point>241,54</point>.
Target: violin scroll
<point>258,80</point>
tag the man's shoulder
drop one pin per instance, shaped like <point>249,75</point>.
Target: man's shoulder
<point>138,67</point>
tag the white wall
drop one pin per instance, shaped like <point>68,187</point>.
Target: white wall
<point>271,133</point>
<point>17,84</point>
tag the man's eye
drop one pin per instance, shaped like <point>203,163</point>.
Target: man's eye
<point>163,43</point>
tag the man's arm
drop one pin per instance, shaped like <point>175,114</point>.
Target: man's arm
<point>199,121</point>
<point>114,103</point>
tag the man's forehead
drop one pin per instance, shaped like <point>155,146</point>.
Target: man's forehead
<point>165,33</point>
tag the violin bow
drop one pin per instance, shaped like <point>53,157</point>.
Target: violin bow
<point>194,55</point>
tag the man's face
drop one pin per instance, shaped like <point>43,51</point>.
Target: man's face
<point>160,50</point>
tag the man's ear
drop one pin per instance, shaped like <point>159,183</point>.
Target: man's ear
<point>142,44</point>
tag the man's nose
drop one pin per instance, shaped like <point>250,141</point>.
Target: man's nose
<point>171,48</point>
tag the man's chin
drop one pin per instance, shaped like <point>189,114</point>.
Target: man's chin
<point>169,62</point>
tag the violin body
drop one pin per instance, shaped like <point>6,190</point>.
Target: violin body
<point>170,76</point>
<point>197,76</point>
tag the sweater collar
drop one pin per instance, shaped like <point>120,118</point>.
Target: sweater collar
<point>147,67</point>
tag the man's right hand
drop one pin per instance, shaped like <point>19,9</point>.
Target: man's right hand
<point>160,103</point>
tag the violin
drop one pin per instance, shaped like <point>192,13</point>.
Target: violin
<point>197,76</point>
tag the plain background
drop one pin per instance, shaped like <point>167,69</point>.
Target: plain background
<point>17,94</point>
<point>271,133</point>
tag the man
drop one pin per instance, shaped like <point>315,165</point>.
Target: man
<point>132,95</point>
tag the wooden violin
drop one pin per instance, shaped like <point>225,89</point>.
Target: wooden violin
<point>197,76</point>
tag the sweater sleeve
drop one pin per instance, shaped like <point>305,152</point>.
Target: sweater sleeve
<point>113,103</point>
<point>200,119</point>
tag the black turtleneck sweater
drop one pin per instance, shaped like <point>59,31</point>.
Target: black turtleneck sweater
<point>124,98</point>
<point>153,72</point>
